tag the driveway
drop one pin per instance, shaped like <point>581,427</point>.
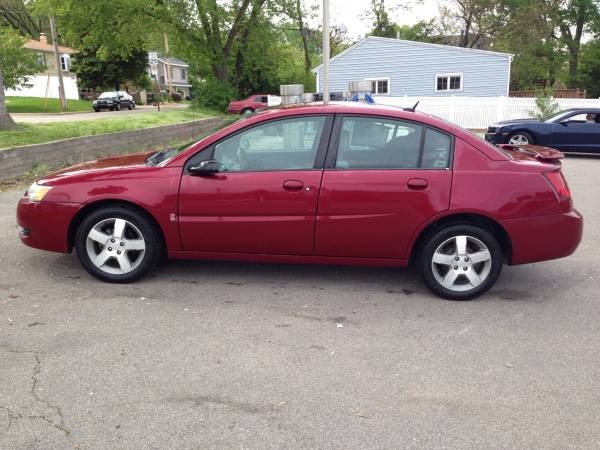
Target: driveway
<point>227,355</point>
<point>91,115</point>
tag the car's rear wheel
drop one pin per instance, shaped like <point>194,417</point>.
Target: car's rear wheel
<point>130,106</point>
<point>460,262</point>
<point>117,245</point>
<point>520,138</point>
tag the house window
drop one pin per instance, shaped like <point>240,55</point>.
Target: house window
<point>65,62</point>
<point>379,85</point>
<point>448,82</point>
<point>41,59</point>
<point>183,74</point>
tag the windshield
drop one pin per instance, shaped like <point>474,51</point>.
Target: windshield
<point>108,95</point>
<point>166,154</point>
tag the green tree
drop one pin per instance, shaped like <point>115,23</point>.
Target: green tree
<point>110,72</point>
<point>17,15</point>
<point>16,65</point>
<point>382,25</point>
<point>589,68</point>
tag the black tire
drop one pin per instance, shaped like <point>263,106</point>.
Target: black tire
<point>462,290</point>
<point>524,134</point>
<point>247,111</point>
<point>118,107</point>
<point>148,231</point>
<point>97,109</point>
<point>112,108</point>
<point>130,106</point>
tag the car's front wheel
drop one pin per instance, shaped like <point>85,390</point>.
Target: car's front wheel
<point>460,262</point>
<point>117,245</point>
<point>520,138</point>
<point>117,107</point>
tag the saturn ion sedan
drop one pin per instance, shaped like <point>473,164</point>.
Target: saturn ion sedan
<point>336,184</point>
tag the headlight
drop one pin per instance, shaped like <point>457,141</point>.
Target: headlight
<point>95,102</point>
<point>37,192</point>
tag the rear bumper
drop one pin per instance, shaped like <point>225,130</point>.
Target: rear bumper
<point>544,237</point>
<point>45,225</point>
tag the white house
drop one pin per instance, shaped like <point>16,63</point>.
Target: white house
<point>397,68</point>
<point>45,83</point>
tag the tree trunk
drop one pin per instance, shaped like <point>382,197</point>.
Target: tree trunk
<point>304,38</point>
<point>6,122</point>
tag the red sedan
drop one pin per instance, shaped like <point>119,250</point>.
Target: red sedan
<point>337,184</point>
<point>248,105</point>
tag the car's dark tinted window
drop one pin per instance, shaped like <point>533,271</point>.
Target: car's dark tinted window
<point>375,143</point>
<point>289,144</point>
<point>379,143</point>
<point>436,150</point>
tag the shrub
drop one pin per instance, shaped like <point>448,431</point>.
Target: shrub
<point>546,106</point>
<point>213,94</point>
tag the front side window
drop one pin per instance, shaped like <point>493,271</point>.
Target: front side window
<point>376,143</point>
<point>448,82</point>
<point>288,144</point>
<point>41,59</point>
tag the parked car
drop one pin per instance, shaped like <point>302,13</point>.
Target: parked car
<point>339,184</point>
<point>573,130</point>
<point>113,100</point>
<point>251,104</point>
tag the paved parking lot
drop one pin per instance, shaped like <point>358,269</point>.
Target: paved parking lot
<point>223,355</point>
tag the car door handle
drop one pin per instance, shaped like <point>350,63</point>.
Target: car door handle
<point>293,185</point>
<point>417,183</point>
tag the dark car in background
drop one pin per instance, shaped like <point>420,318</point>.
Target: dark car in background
<point>573,130</point>
<point>114,101</point>
<point>250,104</point>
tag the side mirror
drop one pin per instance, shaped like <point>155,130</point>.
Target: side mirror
<point>205,168</point>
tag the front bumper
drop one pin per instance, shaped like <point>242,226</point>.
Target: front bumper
<point>496,138</point>
<point>542,238</point>
<point>45,225</point>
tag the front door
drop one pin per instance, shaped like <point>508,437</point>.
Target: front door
<point>264,198</point>
<point>579,133</point>
<point>385,180</point>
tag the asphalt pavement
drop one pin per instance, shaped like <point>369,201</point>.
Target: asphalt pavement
<point>206,355</point>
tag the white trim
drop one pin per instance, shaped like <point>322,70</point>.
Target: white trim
<point>508,80</point>
<point>424,44</point>
<point>448,75</point>
<point>317,84</point>
<point>173,64</point>
<point>389,85</point>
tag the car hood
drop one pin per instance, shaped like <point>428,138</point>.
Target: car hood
<point>98,165</point>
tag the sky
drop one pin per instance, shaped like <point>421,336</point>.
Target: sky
<point>352,13</point>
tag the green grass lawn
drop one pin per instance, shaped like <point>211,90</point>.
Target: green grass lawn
<point>39,105</point>
<point>26,134</point>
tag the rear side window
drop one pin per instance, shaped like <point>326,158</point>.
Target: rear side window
<point>377,143</point>
<point>436,150</point>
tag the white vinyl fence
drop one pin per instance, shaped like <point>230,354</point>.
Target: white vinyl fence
<point>479,112</point>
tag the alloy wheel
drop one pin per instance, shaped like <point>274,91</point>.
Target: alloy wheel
<point>461,263</point>
<point>115,246</point>
<point>518,139</point>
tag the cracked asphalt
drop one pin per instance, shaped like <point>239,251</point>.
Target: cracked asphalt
<point>206,355</point>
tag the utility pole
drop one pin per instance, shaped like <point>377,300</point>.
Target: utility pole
<point>169,78</point>
<point>61,86</point>
<point>326,52</point>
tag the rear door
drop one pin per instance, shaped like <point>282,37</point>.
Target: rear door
<point>383,179</point>
<point>264,200</point>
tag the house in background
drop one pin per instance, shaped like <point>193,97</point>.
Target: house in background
<point>397,67</point>
<point>178,77</point>
<point>45,83</point>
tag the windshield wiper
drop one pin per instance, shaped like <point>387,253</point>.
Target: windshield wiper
<point>158,157</point>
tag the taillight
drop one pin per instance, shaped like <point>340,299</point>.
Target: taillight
<point>559,184</point>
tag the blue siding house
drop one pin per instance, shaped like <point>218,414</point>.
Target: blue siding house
<point>397,67</point>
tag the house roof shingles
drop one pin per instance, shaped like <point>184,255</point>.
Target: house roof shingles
<point>44,47</point>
